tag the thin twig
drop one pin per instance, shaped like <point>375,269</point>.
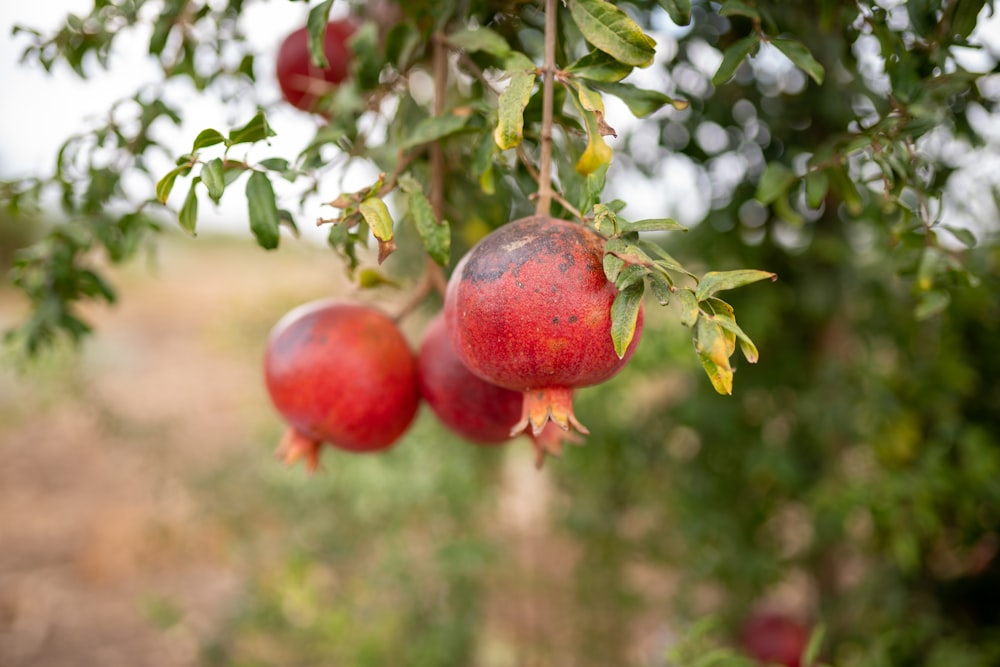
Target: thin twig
<point>544,203</point>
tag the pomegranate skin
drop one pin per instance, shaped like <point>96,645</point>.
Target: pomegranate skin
<point>469,406</point>
<point>529,309</point>
<point>774,639</point>
<point>340,373</point>
<point>302,83</point>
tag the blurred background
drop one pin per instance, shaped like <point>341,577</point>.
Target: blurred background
<point>851,485</point>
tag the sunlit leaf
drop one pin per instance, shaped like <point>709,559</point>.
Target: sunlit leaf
<point>611,30</point>
<point>690,310</point>
<point>376,214</point>
<point>166,184</point>
<point>651,225</point>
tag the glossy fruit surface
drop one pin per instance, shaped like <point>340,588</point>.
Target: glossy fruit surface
<point>302,83</point>
<point>774,639</point>
<point>340,373</point>
<point>529,309</point>
<point>468,405</point>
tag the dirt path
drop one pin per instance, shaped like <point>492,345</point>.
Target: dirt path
<point>107,557</point>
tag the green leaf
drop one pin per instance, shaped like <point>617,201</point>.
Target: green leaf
<point>514,98</point>
<point>711,342</point>
<point>207,138</point>
<point>651,225</point>
<point>931,303</point>
<point>630,275</point>
<point>263,210</point>
<point>166,184</point>
<point>369,278</point>
<point>319,16</point>
<point>965,16</point>
<point>613,266</point>
<point>811,653</point>
<point>817,185</point>
<point>690,310</point>
<point>257,129</point>
<point>717,281</point>
<point>434,128</point>
<point>278,164</point>
<point>738,8</point>
<point>661,287</point>
<point>775,181</point>
<point>640,101</point>
<point>435,234</point>
<point>612,31</point>
<point>599,66</point>
<point>188,216</point>
<point>801,56</point>
<point>679,11</point>
<point>963,234</point>
<point>624,316</point>
<point>733,57</point>
<point>481,39</point>
<point>214,179</point>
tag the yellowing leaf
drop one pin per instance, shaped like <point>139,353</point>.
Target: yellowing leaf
<point>510,116</point>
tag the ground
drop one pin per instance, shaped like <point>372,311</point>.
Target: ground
<point>105,541</point>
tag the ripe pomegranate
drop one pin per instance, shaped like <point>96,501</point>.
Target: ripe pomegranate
<point>302,83</point>
<point>774,639</point>
<point>529,309</point>
<point>469,406</point>
<point>340,373</point>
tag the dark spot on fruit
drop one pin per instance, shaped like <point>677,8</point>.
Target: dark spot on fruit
<point>573,318</point>
<point>555,320</point>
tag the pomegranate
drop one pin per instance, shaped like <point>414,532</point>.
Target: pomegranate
<point>774,639</point>
<point>469,406</point>
<point>340,373</point>
<point>529,309</point>
<point>302,83</point>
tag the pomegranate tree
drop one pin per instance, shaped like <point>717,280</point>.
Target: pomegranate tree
<point>302,82</point>
<point>340,373</point>
<point>529,309</point>
<point>469,406</point>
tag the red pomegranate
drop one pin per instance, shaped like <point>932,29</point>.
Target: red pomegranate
<point>774,639</point>
<point>340,373</point>
<point>302,83</point>
<point>469,406</point>
<point>529,309</point>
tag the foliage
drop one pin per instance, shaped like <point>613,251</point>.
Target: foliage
<point>827,140</point>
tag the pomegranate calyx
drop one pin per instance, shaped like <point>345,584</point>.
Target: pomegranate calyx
<point>541,406</point>
<point>550,442</point>
<point>296,445</point>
